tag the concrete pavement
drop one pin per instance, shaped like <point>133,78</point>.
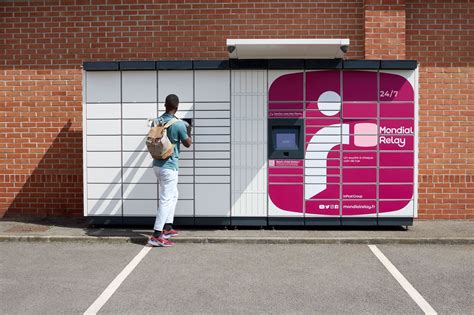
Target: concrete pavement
<point>76,230</point>
<point>57,278</point>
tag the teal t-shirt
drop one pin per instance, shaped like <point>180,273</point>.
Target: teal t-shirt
<point>176,133</point>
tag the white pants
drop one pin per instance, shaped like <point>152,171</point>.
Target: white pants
<point>168,181</point>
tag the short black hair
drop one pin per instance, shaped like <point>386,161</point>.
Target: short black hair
<point>171,102</point>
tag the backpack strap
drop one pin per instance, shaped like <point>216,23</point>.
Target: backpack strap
<point>171,122</point>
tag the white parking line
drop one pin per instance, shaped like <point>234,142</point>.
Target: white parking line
<point>113,286</point>
<point>414,294</point>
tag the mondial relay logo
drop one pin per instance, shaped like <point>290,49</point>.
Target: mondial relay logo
<point>402,130</point>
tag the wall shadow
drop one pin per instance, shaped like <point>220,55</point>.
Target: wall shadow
<point>54,187</point>
<point>52,196</point>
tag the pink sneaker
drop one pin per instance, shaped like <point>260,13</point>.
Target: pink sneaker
<point>169,234</point>
<point>159,242</point>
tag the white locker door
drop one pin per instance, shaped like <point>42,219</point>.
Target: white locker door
<point>102,157</point>
<point>212,143</point>
<point>249,143</point>
<point>140,189</point>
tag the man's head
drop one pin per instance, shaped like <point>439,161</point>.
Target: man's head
<point>171,104</point>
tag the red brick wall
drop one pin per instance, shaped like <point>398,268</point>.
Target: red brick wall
<point>440,36</point>
<point>384,31</point>
<point>43,44</point>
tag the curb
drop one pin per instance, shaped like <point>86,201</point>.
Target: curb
<point>237,240</point>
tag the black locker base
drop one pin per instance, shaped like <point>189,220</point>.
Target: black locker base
<point>248,221</point>
<point>285,221</point>
<point>319,221</point>
<point>253,221</point>
<point>345,221</point>
<point>211,221</point>
<point>395,221</point>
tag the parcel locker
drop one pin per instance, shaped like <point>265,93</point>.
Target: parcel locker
<point>275,142</point>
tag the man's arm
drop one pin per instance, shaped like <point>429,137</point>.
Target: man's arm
<point>187,140</point>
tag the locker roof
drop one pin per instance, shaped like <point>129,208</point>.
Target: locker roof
<point>287,48</point>
<point>336,63</point>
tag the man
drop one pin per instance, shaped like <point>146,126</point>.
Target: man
<point>167,173</point>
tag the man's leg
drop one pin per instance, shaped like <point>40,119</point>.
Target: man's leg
<point>168,185</point>
<point>170,218</point>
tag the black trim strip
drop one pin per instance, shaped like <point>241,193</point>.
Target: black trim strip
<point>211,221</point>
<point>100,65</point>
<point>394,221</point>
<point>248,64</point>
<point>248,221</point>
<point>398,64</point>
<point>346,221</point>
<point>211,64</point>
<point>362,64</point>
<point>137,65</point>
<point>276,64</point>
<point>317,221</point>
<point>174,65</point>
<point>252,221</point>
<point>323,64</point>
<point>286,221</point>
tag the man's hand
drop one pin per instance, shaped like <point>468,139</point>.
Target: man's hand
<point>187,143</point>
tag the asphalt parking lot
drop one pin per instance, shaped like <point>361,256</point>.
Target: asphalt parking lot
<point>234,278</point>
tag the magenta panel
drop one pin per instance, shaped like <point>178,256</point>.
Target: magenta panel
<point>397,126</point>
<point>286,163</point>
<point>286,114</point>
<point>359,175</point>
<point>287,197</point>
<point>333,178</point>
<point>323,207</point>
<point>295,106</point>
<point>403,191</point>
<point>288,87</point>
<point>395,88</point>
<point>333,163</point>
<point>335,153</point>
<point>397,159</point>
<point>392,205</point>
<point>319,82</point>
<point>285,179</point>
<point>311,131</point>
<point>399,110</point>
<point>396,175</point>
<point>359,110</point>
<point>351,159</point>
<point>367,140</point>
<point>359,207</point>
<point>319,114</point>
<point>285,171</point>
<point>322,122</point>
<point>332,191</point>
<point>373,158</point>
<point>396,142</point>
<point>358,191</point>
<point>359,86</point>
<point>334,171</point>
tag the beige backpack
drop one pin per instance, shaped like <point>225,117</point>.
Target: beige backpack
<point>158,143</point>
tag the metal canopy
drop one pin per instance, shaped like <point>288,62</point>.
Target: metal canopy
<point>287,48</point>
